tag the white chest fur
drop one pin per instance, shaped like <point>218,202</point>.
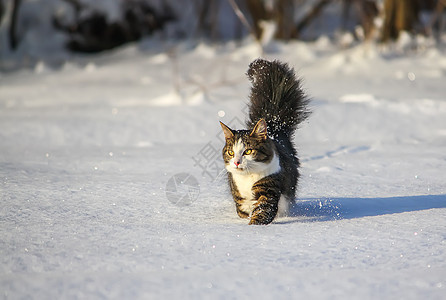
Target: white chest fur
<point>244,183</point>
<point>244,180</point>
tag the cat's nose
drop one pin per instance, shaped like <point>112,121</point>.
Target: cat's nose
<point>236,162</point>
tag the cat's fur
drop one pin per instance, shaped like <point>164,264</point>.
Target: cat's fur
<point>261,161</point>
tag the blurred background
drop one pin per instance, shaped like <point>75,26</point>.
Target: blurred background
<point>105,103</point>
<point>31,30</point>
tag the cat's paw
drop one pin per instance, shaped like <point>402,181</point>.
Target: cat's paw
<point>255,221</point>
<point>261,217</point>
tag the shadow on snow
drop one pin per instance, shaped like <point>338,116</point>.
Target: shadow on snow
<point>328,209</point>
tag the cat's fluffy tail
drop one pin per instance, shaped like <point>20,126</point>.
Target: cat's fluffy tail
<point>277,97</point>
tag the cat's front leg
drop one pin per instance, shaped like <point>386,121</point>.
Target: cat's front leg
<point>264,212</point>
<point>267,193</point>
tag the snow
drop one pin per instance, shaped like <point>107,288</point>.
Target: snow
<point>87,150</point>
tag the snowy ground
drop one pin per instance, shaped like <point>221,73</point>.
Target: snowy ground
<point>87,151</point>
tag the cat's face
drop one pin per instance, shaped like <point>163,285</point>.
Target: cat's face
<point>247,152</point>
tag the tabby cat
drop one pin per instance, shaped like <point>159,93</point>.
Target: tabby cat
<point>261,162</point>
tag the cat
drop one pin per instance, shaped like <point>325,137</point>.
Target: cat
<point>261,162</point>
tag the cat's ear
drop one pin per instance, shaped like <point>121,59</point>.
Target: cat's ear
<point>227,131</point>
<point>259,130</point>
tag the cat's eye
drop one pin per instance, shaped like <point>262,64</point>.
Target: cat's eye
<point>247,152</point>
<point>231,153</point>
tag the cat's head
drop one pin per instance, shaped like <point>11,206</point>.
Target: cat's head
<point>247,151</point>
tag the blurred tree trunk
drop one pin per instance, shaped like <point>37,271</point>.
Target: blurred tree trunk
<point>346,9</point>
<point>436,18</point>
<point>207,11</point>
<point>399,15</point>
<point>258,13</point>
<point>366,10</point>
<point>2,10</point>
<point>284,14</point>
<point>280,13</point>
<point>13,40</point>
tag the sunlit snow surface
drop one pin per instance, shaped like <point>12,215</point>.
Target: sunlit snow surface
<point>87,150</point>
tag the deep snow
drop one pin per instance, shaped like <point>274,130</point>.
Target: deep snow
<point>87,150</point>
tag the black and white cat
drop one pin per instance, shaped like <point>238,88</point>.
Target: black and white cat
<point>261,161</point>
